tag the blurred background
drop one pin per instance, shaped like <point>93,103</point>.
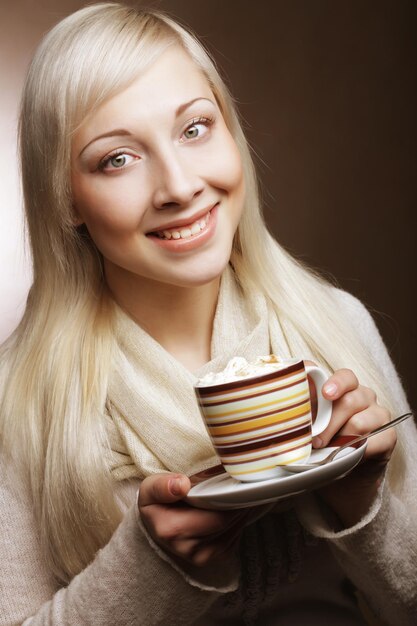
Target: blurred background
<point>327,90</point>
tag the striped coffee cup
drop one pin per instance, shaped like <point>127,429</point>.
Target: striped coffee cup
<point>258,423</point>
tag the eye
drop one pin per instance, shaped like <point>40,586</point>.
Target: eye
<point>197,128</point>
<point>116,161</point>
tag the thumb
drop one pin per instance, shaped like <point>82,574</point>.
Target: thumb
<point>163,489</point>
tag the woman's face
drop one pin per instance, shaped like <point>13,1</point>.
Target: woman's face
<point>157,178</point>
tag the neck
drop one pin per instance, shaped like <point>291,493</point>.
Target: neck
<point>180,319</point>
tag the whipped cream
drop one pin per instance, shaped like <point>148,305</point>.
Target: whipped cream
<point>239,368</point>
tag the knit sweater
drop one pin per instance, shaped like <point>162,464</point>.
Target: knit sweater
<point>131,581</point>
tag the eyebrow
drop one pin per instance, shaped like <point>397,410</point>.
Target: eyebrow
<point>122,132</point>
<point>184,107</point>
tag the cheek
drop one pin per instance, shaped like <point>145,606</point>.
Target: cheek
<point>106,208</point>
<point>233,181</point>
<point>233,170</point>
<point>224,169</point>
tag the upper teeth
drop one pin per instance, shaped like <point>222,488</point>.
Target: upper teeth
<point>186,231</point>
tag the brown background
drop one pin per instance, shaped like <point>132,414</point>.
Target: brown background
<point>327,91</point>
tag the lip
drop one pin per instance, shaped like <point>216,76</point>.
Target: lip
<point>185,221</point>
<point>186,245</point>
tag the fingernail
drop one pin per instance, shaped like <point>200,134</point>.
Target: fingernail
<point>317,442</point>
<point>330,389</point>
<point>175,486</point>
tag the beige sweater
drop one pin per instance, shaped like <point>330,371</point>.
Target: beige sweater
<point>131,582</point>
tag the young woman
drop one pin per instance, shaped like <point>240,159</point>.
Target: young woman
<point>152,266</point>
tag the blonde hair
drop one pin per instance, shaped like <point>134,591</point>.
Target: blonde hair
<point>56,365</point>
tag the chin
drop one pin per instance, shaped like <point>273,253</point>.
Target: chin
<point>201,275</point>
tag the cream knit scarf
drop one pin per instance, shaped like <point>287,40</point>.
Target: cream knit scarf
<point>153,419</point>
<point>154,424</point>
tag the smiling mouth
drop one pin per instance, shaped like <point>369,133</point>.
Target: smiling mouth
<point>184,232</point>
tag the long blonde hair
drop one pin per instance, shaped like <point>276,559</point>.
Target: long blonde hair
<point>55,367</point>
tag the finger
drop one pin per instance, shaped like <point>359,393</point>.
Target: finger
<point>379,446</point>
<point>339,383</point>
<point>193,551</point>
<point>192,523</point>
<point>214,551</point>
<point>207,554</point>
<point>366,420</point>
<point>179,521</point>
<point>233,524</point>
<point>201,550</point>
<point>163,489</point>
<point>345,410</point>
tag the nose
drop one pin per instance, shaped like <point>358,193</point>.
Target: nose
<point>177,182</point>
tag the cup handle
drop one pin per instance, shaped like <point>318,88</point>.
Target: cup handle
<point>324,406</point>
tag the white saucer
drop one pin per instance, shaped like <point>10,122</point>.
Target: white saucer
<point>223,492</point>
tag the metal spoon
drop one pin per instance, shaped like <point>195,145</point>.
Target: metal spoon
<point>302,467</point>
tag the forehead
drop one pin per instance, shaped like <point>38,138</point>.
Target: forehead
<point>170,81</point>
